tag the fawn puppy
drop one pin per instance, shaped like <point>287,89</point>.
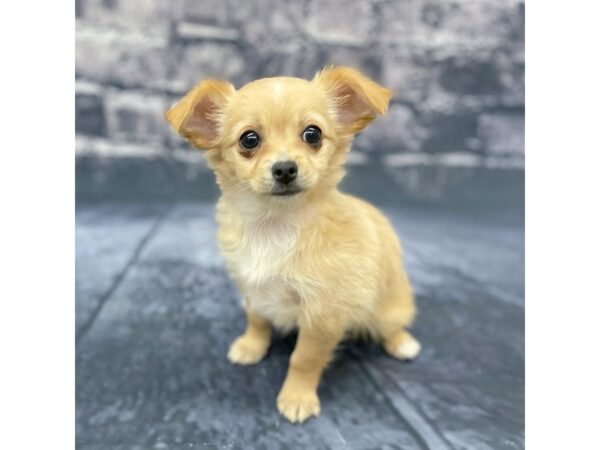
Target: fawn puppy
<point>304,255</point>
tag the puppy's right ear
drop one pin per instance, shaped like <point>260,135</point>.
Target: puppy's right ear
<point>198,115</point>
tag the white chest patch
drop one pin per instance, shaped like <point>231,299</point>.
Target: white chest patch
<point>258,260</point>
<point>264,248</point>
<point>274,300</point>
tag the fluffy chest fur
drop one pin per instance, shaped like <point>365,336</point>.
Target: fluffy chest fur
<point>259,254</point>
<point>258,250</point>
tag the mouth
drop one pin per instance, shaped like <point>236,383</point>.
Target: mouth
<point>285,192</point>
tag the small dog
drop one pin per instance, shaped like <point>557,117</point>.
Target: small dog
<point>304,255</point>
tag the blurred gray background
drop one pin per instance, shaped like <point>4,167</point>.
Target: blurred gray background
<point>454,132</point>
<point>156,310</point>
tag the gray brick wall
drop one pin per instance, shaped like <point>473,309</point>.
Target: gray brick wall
<point>456,66</point>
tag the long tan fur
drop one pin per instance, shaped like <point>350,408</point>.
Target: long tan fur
<point>323,262</point>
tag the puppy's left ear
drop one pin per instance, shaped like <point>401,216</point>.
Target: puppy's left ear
<point>198,115</point>
<point>356,99</point>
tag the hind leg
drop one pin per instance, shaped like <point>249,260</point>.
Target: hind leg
<point>396,313</point>
<point>402,345</point>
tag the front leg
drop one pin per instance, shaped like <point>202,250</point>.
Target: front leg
<point>298,400</point>
<point>252,346</point>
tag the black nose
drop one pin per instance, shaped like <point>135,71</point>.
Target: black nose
<point>284,172</point>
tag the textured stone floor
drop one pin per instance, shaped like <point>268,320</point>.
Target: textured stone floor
<point>156,313</point>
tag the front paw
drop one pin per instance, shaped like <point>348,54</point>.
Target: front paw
<point>298,405</point>
<point>245,351</point>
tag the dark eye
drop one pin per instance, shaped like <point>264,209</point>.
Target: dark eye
<point>250,140</point>
<point>312,135</point>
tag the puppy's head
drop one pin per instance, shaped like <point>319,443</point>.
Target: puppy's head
<point>279,138</point>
